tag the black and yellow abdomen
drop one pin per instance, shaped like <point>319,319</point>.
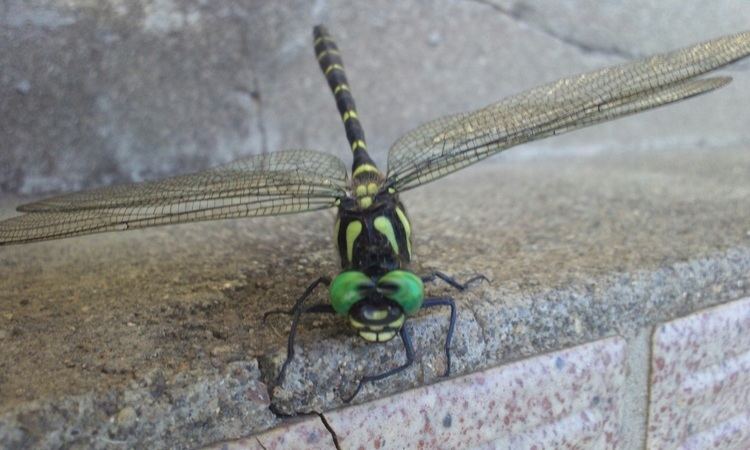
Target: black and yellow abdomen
<point>366,177</point>
<point>332,65</point>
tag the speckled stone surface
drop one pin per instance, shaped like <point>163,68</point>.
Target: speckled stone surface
<point>308,434</point>
<point>700,381</point>
<point>568,399</point>
<point>157,410</point>
<point>578,249</point>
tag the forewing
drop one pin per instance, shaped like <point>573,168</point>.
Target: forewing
<point>270,184</point>
<point>445,145</point>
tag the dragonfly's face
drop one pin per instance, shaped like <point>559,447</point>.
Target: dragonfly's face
<point>377,308</point>
<point>376,319</point>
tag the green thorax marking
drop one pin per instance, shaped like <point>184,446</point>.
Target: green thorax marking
<point>385,227</point>
<point>353,230</point>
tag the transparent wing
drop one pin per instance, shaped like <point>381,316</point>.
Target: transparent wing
<point>262,185</point>
<point>445,145</point>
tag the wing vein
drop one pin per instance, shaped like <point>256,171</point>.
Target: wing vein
<point>445,145</point>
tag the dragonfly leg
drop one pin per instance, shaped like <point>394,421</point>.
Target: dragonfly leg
<point>319,308</point>
<point>326,281</point>
<point>452,281</point>
<point>445,301</point>
<point>408,348</point>
<point>297,311</point>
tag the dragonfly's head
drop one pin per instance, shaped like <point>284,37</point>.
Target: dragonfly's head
<point>377,308</point>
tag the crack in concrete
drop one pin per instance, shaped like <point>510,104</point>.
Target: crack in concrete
<point>280,415</point>
<point>253,93</point>
<point>330,429</point>
<point>469,306</point>
<point>585,47</point>
<point>258,100</point>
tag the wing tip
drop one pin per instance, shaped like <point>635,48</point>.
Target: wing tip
<point>722,80</point>
<point>709,84</point>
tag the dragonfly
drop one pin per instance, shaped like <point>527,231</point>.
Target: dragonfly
<point>375,290</point>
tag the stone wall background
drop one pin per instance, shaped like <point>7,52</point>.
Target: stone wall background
<point>96,92</point>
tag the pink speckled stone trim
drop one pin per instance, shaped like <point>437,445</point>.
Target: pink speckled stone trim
<point>306,433</point>
<point>567,399</point>
<point>700,380</point>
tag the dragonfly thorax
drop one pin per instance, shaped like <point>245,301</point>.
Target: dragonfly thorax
<point>374,240</point>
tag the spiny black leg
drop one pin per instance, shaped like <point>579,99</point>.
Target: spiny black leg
<point>297,312</point>
<point>445,301</point>
<point>452,281</point>
<point>319,308</point>
<point>324,280</point>
<point>406,339</point>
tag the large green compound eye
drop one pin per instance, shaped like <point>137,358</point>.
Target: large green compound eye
<point>404,288</point>
<point>347,289</point>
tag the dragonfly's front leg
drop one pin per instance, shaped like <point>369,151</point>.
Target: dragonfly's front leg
<point>297,311</point>
<point>325,281</point>
<point>445,301</point>
<point>432,276</point>
<point>408,348</point>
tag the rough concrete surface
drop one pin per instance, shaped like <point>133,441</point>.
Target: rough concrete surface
<point>111,91</point>
<point>154,339</point>
<point>157,331</point>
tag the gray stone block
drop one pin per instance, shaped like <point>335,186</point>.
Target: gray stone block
<point>97,93</point>
<point>577,249</point>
